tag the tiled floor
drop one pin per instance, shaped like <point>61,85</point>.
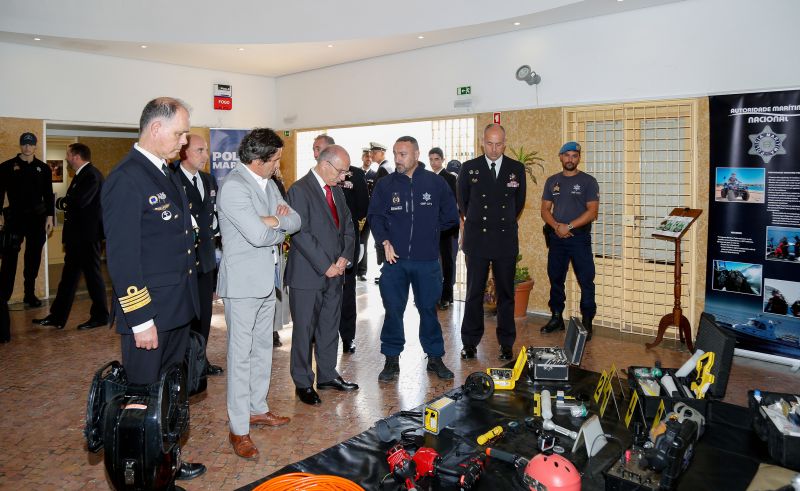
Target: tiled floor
<point>45,375</point>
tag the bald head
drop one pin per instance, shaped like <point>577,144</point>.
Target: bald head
<point>494,141</point>
<point>333,164</point>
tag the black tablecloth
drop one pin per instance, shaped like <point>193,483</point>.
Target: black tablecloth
<point>726,457</point>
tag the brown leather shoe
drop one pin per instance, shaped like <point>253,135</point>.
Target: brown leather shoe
<point>268,419</point>
<point>243,446</point>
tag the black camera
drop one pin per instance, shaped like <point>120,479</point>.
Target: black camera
<point>672,451</point>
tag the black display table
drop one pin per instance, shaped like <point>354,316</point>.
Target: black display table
<point>726,457</point>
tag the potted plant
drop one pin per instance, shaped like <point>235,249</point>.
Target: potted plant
<point>523,284</point>
<point>529,159</point>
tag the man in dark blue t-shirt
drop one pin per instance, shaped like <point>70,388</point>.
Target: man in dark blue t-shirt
<point>569,206</point>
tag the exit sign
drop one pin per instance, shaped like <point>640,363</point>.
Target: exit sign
<point>286,133</point>
<point>466,90</point>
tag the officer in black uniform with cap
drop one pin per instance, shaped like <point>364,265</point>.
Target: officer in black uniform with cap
<point>201,191</point>
<point>150,250</point>
<point>28,183</point>
<point>491,196</point>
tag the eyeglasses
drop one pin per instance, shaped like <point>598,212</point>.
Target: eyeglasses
<point>345,173</point>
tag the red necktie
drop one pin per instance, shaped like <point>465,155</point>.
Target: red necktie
<point>331,205</point>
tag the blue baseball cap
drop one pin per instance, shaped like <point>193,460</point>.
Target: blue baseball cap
<point>27,139</point>
<point>570,147</point>
<point>453,166</point>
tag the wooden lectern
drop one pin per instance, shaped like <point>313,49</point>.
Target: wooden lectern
<point>673,228</point>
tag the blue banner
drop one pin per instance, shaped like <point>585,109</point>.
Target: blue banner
<point>224,148</point>
<point>753,277</point>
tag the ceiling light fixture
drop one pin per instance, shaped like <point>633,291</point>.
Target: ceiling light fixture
<point>516,23</point>
<point>37,39</point>
<point>525,74</point>
<point>420,37</point>
<point>144,46</point>
<point>241,49</point>
<point>330,46</point>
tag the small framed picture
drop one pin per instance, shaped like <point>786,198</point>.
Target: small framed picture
<point>57,168</point>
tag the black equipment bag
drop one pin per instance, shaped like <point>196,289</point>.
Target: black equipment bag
<point>108,382</point>
<point>142,431</point>
<point>196,377</point>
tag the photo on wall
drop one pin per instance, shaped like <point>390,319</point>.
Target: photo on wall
<point>735,277</point>
<point>57,168</point>
<point>782,297</point>
<point>783,244</point>
<point>739,185</point>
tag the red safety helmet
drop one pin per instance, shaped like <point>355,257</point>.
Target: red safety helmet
<point>551,473</point>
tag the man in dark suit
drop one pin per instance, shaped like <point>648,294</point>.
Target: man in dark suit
<point>363,235</point>
<point>491,196</point>
<point>201,191</point>
<point>354,187</point>
<point>318,258</point>
<point>150,250</point>
<point>448,239</point>
<point>82,237</point>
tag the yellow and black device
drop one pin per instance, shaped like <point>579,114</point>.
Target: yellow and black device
<point>506,378</point>
<point>704,376</point>
<point>438,414</point>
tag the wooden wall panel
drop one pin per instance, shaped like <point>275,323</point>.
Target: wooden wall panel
<point>107,152</point>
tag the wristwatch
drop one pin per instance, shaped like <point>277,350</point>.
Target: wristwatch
<point>569,226</point>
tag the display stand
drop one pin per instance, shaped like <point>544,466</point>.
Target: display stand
<point>673,228</point>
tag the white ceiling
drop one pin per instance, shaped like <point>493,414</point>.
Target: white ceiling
<point>275,38</point>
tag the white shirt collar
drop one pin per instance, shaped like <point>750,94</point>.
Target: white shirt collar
<point>191,176</point>
<point>262,183</point>
<point>499,163</point>
<point>79,169</point>
<point>320,181</point>
<point>152,158</point>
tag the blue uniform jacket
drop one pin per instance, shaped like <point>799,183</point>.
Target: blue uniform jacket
<point>149,246</point>
<point>411,213</point>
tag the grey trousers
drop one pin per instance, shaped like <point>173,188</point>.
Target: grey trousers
<point>249,323</point>
<point>315,317</point>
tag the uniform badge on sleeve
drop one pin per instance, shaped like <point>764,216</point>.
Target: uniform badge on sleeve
<point>152,200</point>
<point>135,299</point>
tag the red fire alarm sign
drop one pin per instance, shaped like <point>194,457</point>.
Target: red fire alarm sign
<point>223,103</point>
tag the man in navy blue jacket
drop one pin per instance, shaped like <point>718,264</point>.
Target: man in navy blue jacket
<point>408,210</point>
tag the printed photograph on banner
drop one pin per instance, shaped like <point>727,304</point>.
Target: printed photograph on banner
<point>783,244</point>
<point>782,297</point>
<point>734,277</point>
<point>739,185</point>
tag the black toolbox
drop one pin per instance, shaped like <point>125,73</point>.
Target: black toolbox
<point>782,447</point>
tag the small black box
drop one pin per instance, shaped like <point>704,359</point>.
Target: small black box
<point>781,447</point>
<point>553,363</point>
<point>650,403</point>
<point>710,337</point>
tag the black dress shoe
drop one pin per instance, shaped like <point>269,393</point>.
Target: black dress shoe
<point>338,383</point>
<point>348,347</point>
<point>32,301</point>
<point>469,352</point>
<point>443,305</point>
<point>361,277</point>
<point>213,369</point>
<point>91,324</point>
<point>308,395</point>
<point>556,323</point>
<point>276,340</point>
<point>506,352</point>
<point>377,280</point>
<point>49,321</point>
<point>190,471</point>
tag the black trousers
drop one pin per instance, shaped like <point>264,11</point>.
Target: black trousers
<point>146,366</point>
<point>347,324</point>
<point>5,322</point>
<point>477,273</point>
<point>31,228</point>
<point>448,249</point>
<point>81,258</point>
<point>363,238</point>
<point>205,289</point>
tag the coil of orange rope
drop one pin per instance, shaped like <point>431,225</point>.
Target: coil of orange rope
<point>300,481</point>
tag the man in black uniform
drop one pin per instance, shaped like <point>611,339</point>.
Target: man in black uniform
<point>491,197</point>
<point>28,183</point>
<point>150,250</point>
<point>448,246</point>
<point>83,238</point>
<point>201,191</point>
<point>363,235</point>
<point>570,201</point>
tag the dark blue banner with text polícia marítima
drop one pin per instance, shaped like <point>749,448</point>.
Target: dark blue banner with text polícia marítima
<point>753,278</point>
<point>224,147</point>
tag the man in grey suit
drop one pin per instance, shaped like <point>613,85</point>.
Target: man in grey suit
<point>315,273</point>
<point>253,221</point>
